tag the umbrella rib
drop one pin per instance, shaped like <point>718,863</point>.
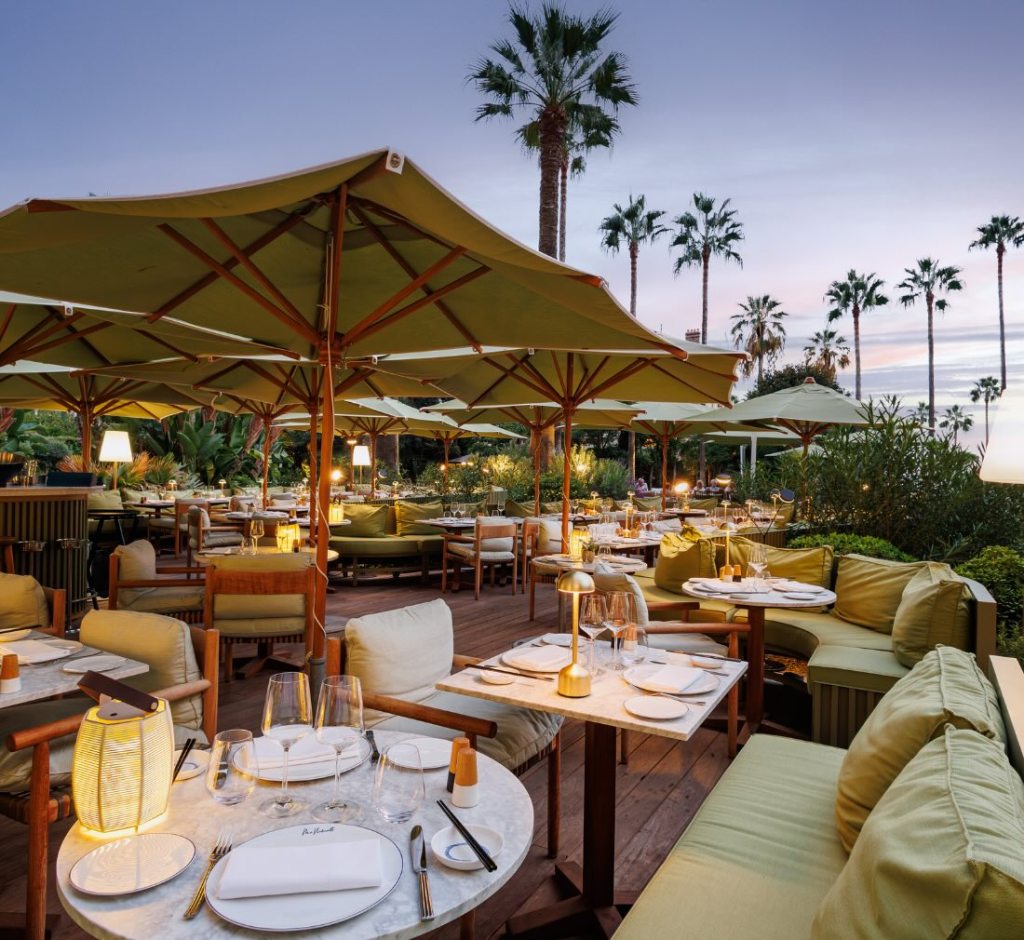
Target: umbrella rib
<point>418,282</point>
<point>32,352</point>
<point>707,395</point>
<point>159,340</point>
<point>8,316</point>
<point>298,324</point>
<point>540,383</point>
<point>592,391</point>
<point>393,252</point>
<point>43,328</point>
<point>392,216</point>
<point>282,228</point>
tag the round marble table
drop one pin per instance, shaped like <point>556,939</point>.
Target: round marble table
<point>755,605</point>
<point>504,805</point>
<point>204,557</point>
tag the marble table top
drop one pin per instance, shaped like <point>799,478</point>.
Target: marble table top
<point>504,805</point>
<point>565,562</point>
<point>604,704</point>
<point>204,557</point>
<point>773,598</point>
<point>45,680</point>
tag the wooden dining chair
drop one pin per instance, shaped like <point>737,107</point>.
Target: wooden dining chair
<point>42,804</point>
<point>492,545</point>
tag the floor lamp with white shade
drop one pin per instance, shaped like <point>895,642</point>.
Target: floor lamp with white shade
<point>115,448</point>
<point>361,458</point>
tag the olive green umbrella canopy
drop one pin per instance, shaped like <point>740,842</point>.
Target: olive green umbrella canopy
<point>537,418</point>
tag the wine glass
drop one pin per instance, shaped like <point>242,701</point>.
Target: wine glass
<point>757,559</point>
<point>593,613</point>
<point>287,718</point>
<point>398,783</point>
<point>256,529</point>
<point>575,505</point>
<point>339,723</point>
<point>620,616</point>
<point>231,773</point>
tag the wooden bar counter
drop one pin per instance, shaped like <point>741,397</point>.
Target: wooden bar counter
<point>46,514</point>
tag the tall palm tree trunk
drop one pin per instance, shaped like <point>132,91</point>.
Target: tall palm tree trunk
<point>634,254</point>
<point>1000,251</point>
<point>856,349</point>
<point>986,420</point>
<point>931,365</point>
<point>704,299</point>
<point>552,148</point>
<point>563,200</point>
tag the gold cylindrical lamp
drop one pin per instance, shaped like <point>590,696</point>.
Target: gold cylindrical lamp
<point>579,539</point>
<point>122,766</point>
<point>288,533</point>
<point>574,679</point>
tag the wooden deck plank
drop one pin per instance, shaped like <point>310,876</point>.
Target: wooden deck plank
<point>657,793</point>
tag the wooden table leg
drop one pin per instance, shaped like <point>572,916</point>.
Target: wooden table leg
<point>599,816</point>
<point>755,673</point>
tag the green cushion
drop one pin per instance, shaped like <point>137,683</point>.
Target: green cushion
<point>708,504</point>
<point>522,733</point>
<point>759,855</point>
<point>104,499</point>
<point>519,510</point>
<point>366,521</point>
<point>647,503</point>
<point>853,668</point>
<point>945,687</point>
<point>170,600</point>
<point>386,546</point>
<point>136,562</point>
<point>803,631</point>
<point>261,614</point>
<point>407,516</point>
<point>868,590</point>
<point>164,643</point>
<point>22,602</point>
<point>809,565</point>
<point>430,544</point>
<point>711,610</point>
<point>940,855</point>
<point>555,507</point>
<point>680,559</point>
<point>932,611</point>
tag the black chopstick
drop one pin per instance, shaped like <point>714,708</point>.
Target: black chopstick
<point>181,760</point>
<point>478,849</point>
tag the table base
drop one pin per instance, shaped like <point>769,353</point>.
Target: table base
<point>12,926</point>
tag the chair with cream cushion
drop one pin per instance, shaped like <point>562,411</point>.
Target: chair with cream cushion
<point>492,544</point>
<point>24,602</point>
<point>402,653</point>
<point>173,526</point>
<point>261,599</point>
<point>135,584</point>
<point>35,762</point>
<point>203,534</point>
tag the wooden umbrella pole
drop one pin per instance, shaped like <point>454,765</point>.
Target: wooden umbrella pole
<point>664,472</point>
<point>566,476</point>
<point>267,421</point>
<point>85,417</point>
<point>313,477</point>
<point>447,445</point>
<point>536,434</point>
<point>373,463</point>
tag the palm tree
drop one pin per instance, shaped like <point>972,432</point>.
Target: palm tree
<point>556,71</point>
<point>633,226</point>
<point>925,281</point>
<point>986,390</point>
<point>854,295</point>
<point>999,232</point>
<point>920,415</point>
<point>956,420</point>
<point>704,235</point>
<point>828,351</point>
<point>759,330</point>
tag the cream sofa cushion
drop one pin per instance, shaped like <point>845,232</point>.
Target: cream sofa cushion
<point>946,687</point>
<point>22,602</point>
<point>164,643</point>
<point>136,562</point>
<point>868,590</point>
<point>933,611</point>
<point>550,538</point>
<point>401,652</point>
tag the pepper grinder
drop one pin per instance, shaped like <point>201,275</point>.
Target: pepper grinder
<point>466,792</point>
<point>10,674</point>
<point>457,745</point>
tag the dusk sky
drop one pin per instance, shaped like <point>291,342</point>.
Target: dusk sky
<point>859,135</point>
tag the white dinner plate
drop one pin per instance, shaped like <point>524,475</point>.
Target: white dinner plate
<point>435,753</point>
<point>195,764</point>
<point>102,663</point>
<point>495,678</point>
<point>801,595</point>
<point>557,639</point>
<point>134,864</point>
<point>655,707</point>
<point>514,659</point>
<point>15,635</point>
<point>315,770</point>
<point>450,847</point>
<point>316,909</point>
<point>637,677</point>
<point>71,646</point>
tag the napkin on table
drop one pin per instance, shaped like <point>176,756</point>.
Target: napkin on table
<point>259,871</point>
<point>671,678</point>
<point>538,657</point>
<point>307,750</point>
<point>34,651</point>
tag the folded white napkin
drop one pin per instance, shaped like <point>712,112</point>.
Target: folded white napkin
<point>671,678</point>
<point>34,651</point>
<point>797,586</point>
<point>539,657</point>
<point>259,871</point>
<point>307,750</point>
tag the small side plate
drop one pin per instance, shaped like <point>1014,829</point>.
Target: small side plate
<point>655,707</point>
<point>195,764</point>
<point>134,864</point>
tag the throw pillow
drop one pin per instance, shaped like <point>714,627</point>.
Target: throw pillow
<point>408,515</point>
<point>22,602</point>
<point>932,612</point>
<point>940,855</point>
<point>368,521</point>
<point>868,590</point>
<point>809,565</point>
<point>680,559</point>
<point>945,687</point>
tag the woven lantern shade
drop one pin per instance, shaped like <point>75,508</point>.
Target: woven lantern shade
<point>287,535</point>
<point>121,772</point>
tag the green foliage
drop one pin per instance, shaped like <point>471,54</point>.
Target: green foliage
<point>45,436</point>
<point>845,543</point>
<point>788,376</point>
<point>1001,570</point>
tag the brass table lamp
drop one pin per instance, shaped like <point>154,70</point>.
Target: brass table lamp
<point>574,679</point>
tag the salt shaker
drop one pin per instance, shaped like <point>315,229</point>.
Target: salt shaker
<point>10,674</point>
<point>466,792</point>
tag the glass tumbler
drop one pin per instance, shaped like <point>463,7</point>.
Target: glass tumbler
<point>231,773</point>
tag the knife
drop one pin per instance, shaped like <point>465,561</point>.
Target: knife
<point>418,855</point>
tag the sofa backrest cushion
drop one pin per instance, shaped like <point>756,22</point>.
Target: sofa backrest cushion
<point>368,520</point>
<point>135,562</point>
<point>808,565</point>
<point>607,580</point>
<point>517,509</point>
<point>22,602</point>
<point>933,611</point>
<point>940,855</point>
<point>408,515</point>
<point>945,687</point>
<point>104,499</point>
<point>401,652</point>
<point>164,643</point>
<point>549,539</point>
<point>680,559</point>
<point>868,590</point>
<point>552,507</point>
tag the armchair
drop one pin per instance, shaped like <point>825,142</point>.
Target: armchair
<point>135,584</point>
<point>24,602</point>
<point>492,544</point>
<point>204,534</point>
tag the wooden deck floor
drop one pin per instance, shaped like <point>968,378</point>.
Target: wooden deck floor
<point>663,785</point>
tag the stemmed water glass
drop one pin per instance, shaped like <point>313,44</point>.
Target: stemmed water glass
<point>757,560</point>
<point>256,529</point>
<point>593,613</point>
<point>621,615</point>
<point>339,723</point>
<point>287,718</point>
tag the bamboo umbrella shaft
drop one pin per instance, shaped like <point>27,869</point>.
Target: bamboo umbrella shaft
<point>566,476</point>
<point>313,476</point>
<point>373,463</point>
<point>267,424</point>
<point>664,471</point>
<point>446,444</point>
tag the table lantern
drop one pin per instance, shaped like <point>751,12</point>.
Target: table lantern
<point>288,535</point>
<point>122,766</point>
<point>579,538</point>
<point>336,513</point>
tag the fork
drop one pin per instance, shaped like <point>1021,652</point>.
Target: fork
<point>220,848</point>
